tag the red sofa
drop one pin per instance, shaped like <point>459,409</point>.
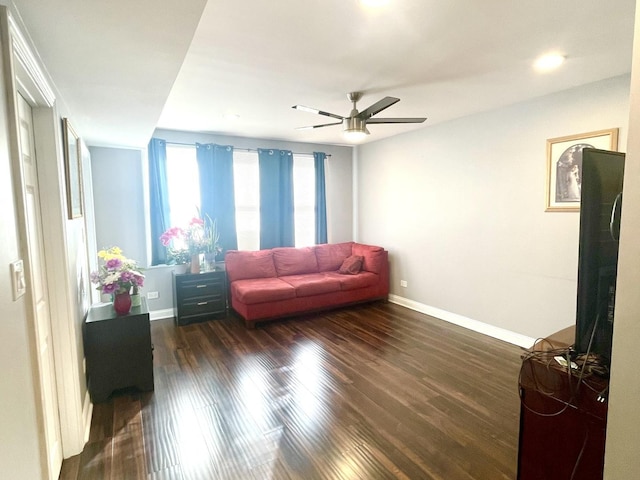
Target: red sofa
<point>269,284</point>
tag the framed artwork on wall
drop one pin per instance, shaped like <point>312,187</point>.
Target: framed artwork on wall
<point>564,167</point>
<point>73,169</point>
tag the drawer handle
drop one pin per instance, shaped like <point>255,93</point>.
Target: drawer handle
<point>201,303</point>
<point>201,286</point>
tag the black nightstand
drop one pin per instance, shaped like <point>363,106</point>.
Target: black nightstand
<point>118,350</point>
<point>200,296</point>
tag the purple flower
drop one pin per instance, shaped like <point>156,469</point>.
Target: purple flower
<point>117,274</point>
<point>126,276</point>
<point>114,264</point>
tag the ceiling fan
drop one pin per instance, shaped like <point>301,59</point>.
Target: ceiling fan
<point>355,125</point>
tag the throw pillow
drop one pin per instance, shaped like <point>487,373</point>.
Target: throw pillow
<point>351,265</point>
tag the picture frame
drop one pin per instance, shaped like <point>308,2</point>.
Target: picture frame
<point>73,170</point>
<point>564,166</point>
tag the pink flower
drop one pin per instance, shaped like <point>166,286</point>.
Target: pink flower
<point>170,234</point>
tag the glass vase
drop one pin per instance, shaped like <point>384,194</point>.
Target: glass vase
<point>209,261</point>
<point>122,303</point>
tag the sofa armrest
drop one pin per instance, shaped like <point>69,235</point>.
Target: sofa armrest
<point>375,259</point>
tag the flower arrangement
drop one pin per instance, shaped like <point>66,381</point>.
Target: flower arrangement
<point>200,236</point>
<point>117,274</point>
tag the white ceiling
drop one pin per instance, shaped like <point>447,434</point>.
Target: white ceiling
<point>114,62</point>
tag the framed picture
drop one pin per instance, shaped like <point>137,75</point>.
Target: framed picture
<point>73,169</point>
<point>564,166</point>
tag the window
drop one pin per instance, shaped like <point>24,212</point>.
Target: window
<point>304,200</point>
<point>246,180</point>
<point>183,185</point>
<point>184,194</point>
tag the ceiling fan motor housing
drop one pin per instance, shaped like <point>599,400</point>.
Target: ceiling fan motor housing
<point>354,124</point>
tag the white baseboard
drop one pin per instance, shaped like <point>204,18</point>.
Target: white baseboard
<point>87,413</point>
<point>480,327</point>
<point>161,314</point>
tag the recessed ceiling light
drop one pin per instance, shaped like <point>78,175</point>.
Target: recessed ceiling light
<point>549,62</point>
<point>374,3</point>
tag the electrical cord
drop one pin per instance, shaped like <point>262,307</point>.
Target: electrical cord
<point>584,446</point>
<point>588,365</point>
<point>546,358</point>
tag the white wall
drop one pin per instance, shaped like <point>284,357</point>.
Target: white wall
<point>623,433</point>
<point>460,207</point>
<point>20,451</point>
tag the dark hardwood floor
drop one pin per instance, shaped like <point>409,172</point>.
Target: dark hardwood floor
<point>370,392</point>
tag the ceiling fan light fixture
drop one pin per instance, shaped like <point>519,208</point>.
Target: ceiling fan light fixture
<point>355,135</point>
<point>355,129</point>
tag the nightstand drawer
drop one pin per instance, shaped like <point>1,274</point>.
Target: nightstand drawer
<point>201,287</point>
<point>202,305</point>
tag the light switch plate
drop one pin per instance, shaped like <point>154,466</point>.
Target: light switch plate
<point>17,279</point>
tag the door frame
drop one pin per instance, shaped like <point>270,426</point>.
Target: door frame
<point>24,75</point>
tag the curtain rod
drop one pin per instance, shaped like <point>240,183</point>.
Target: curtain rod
<point>240,149</point>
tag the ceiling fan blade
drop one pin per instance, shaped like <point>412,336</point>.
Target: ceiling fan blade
<point>310,127</point>
<point>395,120</point>
<point>319,112</point>
<point>377,107</point>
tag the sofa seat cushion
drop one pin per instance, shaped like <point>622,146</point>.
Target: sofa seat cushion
<point>331,255</point>
<point>249,264</point>
<point>312,284</point>
<point>352,282</point>
<point>260,290</point>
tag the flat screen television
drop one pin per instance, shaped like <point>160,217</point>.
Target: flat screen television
<point>600,207</point>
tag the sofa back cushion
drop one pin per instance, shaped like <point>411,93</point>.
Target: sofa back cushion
<point>331,256</point>
<point>294,261</point>
<point>247,264</point>
<point>374,257</point>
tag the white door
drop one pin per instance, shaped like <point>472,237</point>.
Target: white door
<point>44,347</point>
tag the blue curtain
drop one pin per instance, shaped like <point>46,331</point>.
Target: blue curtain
<point>321,198</point>
<point>158,198</point>
<point>217,196</point>
<point>276,198</point>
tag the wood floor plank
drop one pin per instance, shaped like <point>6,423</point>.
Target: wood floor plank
<point>373,391</point>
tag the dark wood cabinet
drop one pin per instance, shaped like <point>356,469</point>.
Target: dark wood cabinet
<point>200,296</point>
<point>118,350</point>
<point>563,421</point>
